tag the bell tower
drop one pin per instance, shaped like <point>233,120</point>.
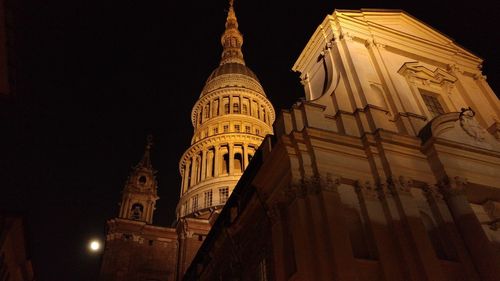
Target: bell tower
<point>140,192</point>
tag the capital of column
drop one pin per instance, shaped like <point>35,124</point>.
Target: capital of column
<point>400,185</point>
<point>273,213</point>
<point>367,189</point>
<point>432,193</point>
<point>329,182</point>
<point>451,187</point>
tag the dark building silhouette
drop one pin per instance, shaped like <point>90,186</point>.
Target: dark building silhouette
<point>15,264</point>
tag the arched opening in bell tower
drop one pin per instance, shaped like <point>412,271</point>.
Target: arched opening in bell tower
<point>136,211</point>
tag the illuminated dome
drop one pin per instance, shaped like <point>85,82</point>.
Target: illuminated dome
<point>230,120</point>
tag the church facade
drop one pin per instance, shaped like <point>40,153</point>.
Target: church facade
<point>387,170</point>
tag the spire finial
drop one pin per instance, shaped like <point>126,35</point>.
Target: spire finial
<point>146,158</point>
<point>232,40</point>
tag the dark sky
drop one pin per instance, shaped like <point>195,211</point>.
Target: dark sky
<point>96,77</point>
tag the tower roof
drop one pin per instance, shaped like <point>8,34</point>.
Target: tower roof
<point>232,62</point>
<point>231,39</point>
<point>146,158</point>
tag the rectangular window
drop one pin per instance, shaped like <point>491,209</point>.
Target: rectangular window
<point>226,128</point>
<point>223,194</point>
<point>257,131</point>
<point>216,131</point>
<point>207,112</point>
<point>195,203</point>
<point>433,105</point>
<point>247,129</point>
<point>208,198</point>
<point>236,128</point>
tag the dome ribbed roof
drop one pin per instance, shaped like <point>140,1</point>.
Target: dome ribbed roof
<point>232,68</point>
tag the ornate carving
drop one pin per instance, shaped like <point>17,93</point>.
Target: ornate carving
<point>346,36</point>
<point>494,225</point>
<point>451,187</point>
<point>366,188</point>
<point>296,190</point>
<point>305,80</point>
<point>311,184</point>
<point>329,183</point>
<point>492,208</point>
<point>479,76</point>
<point>470,124</point>
<point>432,193</point>
<point>369,43</point>
<point>400,185</point>
<point>383,189</point>
<point>273,213</point>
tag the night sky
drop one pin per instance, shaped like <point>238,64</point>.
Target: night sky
<point>95,77</point>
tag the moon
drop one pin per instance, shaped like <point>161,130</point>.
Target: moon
<point>94,245</point>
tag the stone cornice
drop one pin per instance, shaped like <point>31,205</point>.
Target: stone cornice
<point>233,117</point>
<point>253,95</point>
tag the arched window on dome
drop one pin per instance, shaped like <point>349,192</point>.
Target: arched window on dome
<point>225,163</point>
<point>226,108</point>
<point>236,107</point>
<point>244,109</point>
<point>207,111</point>
<point>238,163</point>
<point>215,108</point>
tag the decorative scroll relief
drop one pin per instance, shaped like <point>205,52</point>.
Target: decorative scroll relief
<point>492,208</point>
<point>470,125</point>
<point>419,74</point>
<point>310,185</point>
